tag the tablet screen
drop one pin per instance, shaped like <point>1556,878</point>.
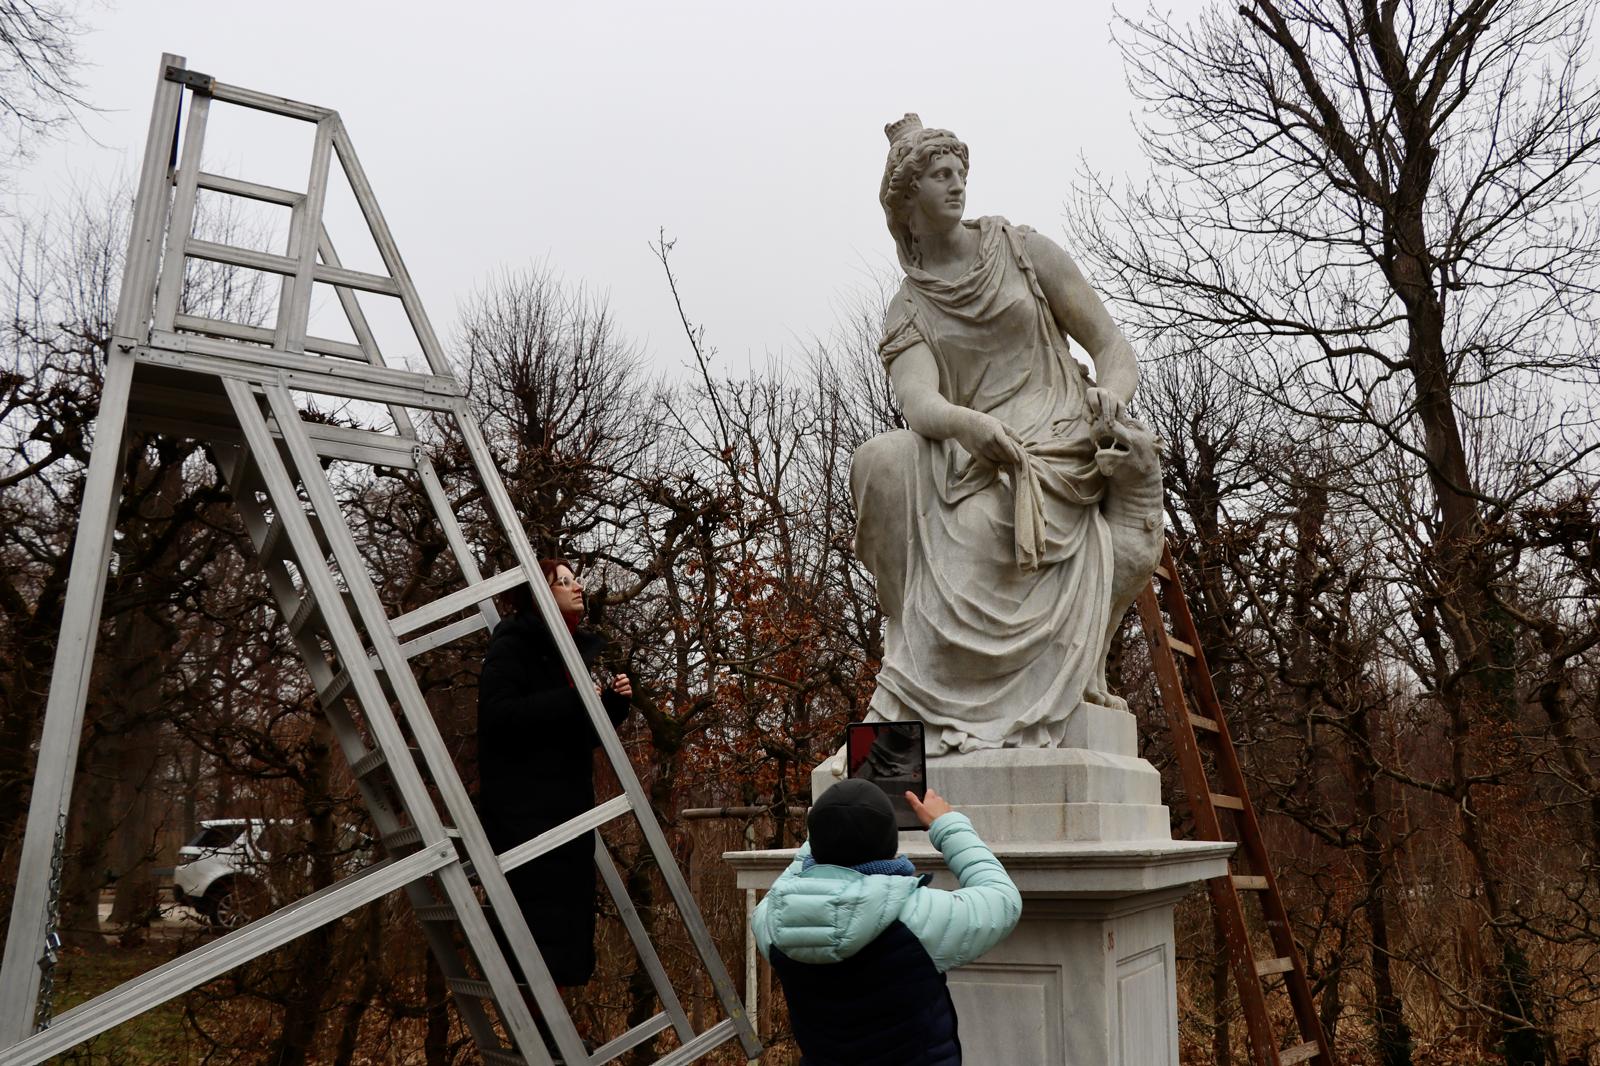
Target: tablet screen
<point>890,755</point>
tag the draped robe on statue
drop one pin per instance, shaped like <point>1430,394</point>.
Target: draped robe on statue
<point>996,582</point>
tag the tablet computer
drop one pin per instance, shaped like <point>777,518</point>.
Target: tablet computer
<point>891,755</point>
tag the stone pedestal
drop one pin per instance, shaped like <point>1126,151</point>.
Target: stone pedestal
<point>1088,977</point>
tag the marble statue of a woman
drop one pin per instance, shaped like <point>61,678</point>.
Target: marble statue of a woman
<point>1011,526</point>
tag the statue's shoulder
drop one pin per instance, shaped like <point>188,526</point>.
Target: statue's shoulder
<point>898,312</point>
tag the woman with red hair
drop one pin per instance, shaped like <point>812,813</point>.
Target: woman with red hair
<point>536,766</point>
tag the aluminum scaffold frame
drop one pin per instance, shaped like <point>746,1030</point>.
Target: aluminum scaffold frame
<point>233,386</point>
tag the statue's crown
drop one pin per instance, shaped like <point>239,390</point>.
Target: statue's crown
<point>896,130</point>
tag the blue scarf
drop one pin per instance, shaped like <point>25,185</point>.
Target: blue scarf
<point>897,866</point>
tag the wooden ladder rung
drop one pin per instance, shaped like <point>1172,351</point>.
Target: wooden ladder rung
<point>1163,611</point>
<point>1299,1053</point>
<point>1268,967</point>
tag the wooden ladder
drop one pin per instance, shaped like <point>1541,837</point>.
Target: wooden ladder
<point>1198,728</point>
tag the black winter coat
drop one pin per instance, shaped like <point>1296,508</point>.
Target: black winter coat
<point>536,770</point>
<point>886,1005</point>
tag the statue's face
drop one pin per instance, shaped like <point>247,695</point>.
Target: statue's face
<point>940,196</point>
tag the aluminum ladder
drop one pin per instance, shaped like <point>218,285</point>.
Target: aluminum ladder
<point>233,385</point>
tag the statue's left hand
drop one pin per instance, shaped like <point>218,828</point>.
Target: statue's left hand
<point>1104,407</point>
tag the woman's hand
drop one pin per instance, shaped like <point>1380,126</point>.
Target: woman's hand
<point>988,439</point>
<point>929,808</point>
<point>622,686</point>
<point>1104,407</point>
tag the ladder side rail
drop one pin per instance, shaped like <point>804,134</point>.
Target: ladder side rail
<point>436,755</point>
<point>648,957</point>
<point>287,599</point>
<point>346,640</point>
<point>366,340</point>
<point>294,299</point>
<point>1186,746</point>
<point>275,105</point>
<point>238,331</point>
<point>331,377</point>
<point>1225,903</point>
<point>1250,824</point>
<point>180,220</point>
<point>385,820</point>
<point>389,250</point>
<point>195,968</point>
<point>463,900</point>
<point>149,213</point>
<point>504,513</point>
<point>1253,839</point>
<point>86,582</point>
<point>457,540</point>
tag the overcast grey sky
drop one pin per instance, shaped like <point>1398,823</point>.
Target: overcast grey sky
<point>496,135</point>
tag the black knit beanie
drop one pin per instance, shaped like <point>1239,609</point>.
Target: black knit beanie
<point>851,823</point>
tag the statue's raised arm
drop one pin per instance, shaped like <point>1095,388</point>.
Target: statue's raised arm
<point>1011,526</point>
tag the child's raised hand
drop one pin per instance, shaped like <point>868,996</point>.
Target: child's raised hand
<point>929,808</point>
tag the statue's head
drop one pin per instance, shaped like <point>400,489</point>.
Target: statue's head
<point>912,150</point>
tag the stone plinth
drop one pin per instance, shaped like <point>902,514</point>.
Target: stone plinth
<point>1096,789</point>
<point>1088,977</point>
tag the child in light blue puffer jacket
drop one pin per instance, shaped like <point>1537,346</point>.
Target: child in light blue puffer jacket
<point>861,944</point>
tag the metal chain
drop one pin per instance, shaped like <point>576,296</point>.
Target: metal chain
<point>52,939</point>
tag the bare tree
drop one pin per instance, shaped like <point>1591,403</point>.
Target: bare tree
<point>1383,214</point>
<point>38,70</point>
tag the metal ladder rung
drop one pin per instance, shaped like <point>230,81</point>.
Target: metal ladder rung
<point>336,688</point>
<point>309,608</point>
<point>471,986</point>
<point>274,545</point>
<point>270,543</point>
<point>1182,647</point>
<point>1299,1053</point>
<point>571,829</point>
<point>1268,967</point>
<point>1249,882</point>
<point>341,682</point>
<point>502,1057</point>
<point>632,1038</point>
<point>458,601</point>
<point>1233,803</point>
<point>372,760</point>
<point>1200,721</point>
<point>408,837</point>
<point>713,1037</point>
<point>438,913</point>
